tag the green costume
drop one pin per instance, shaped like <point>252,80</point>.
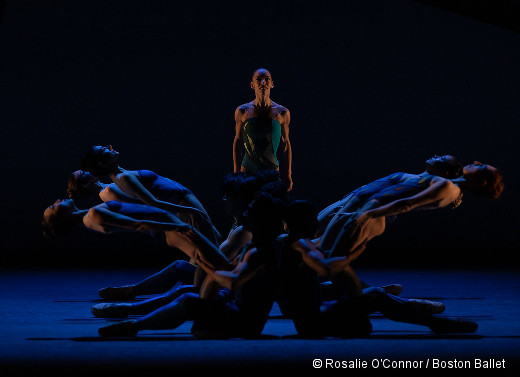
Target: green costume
<point>261,137</point>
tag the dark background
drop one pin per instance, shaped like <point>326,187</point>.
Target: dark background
<point>373,87</point>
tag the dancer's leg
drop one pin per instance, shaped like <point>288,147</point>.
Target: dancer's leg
<point>179,271</point>
<point>184,308</point>
<point>115,310</point>
<point>172,315</point>
<point>402,310</point>
<point>147,306</point>
<point>169,316</point>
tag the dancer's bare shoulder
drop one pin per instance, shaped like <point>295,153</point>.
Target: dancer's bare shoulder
<point>244,111</point>
<point>280,113</point>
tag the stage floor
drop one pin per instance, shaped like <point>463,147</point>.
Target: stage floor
<point>46,324</point>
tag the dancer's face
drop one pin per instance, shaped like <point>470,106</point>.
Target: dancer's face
<point>476,167</point>
<point>106,156</point>
<point>61,206</point>
<point>442,166</point>
<point>444,158</point>
<point>84,178</point>
<point>106,152</point>
<point>485,178</point>
<point>262,81</point>
<point>475,174</point>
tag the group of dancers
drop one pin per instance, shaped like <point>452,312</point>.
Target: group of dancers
<point>280,249</point>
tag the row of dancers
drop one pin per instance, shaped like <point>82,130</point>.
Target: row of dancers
<point>280,249</point>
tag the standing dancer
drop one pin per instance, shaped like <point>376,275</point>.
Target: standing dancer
<point>260,127</point>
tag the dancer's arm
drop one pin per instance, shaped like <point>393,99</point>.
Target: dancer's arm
<point>314,258</point>
<point>158,226</point>
<point>135,186</point>
<point>237,142</point>
<point>435,193</point>
<point>103,216</point>
<point>232,279</point>
<point>206,252</point>
<point>287,174</point>
<point>334,266</point>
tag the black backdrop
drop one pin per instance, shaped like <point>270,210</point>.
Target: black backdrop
<point>373,87</point>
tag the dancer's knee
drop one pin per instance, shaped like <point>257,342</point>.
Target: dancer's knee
<point>183,271</point>
<point>374,291</point>
<point>179,263</point>
<point>189,302</point>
